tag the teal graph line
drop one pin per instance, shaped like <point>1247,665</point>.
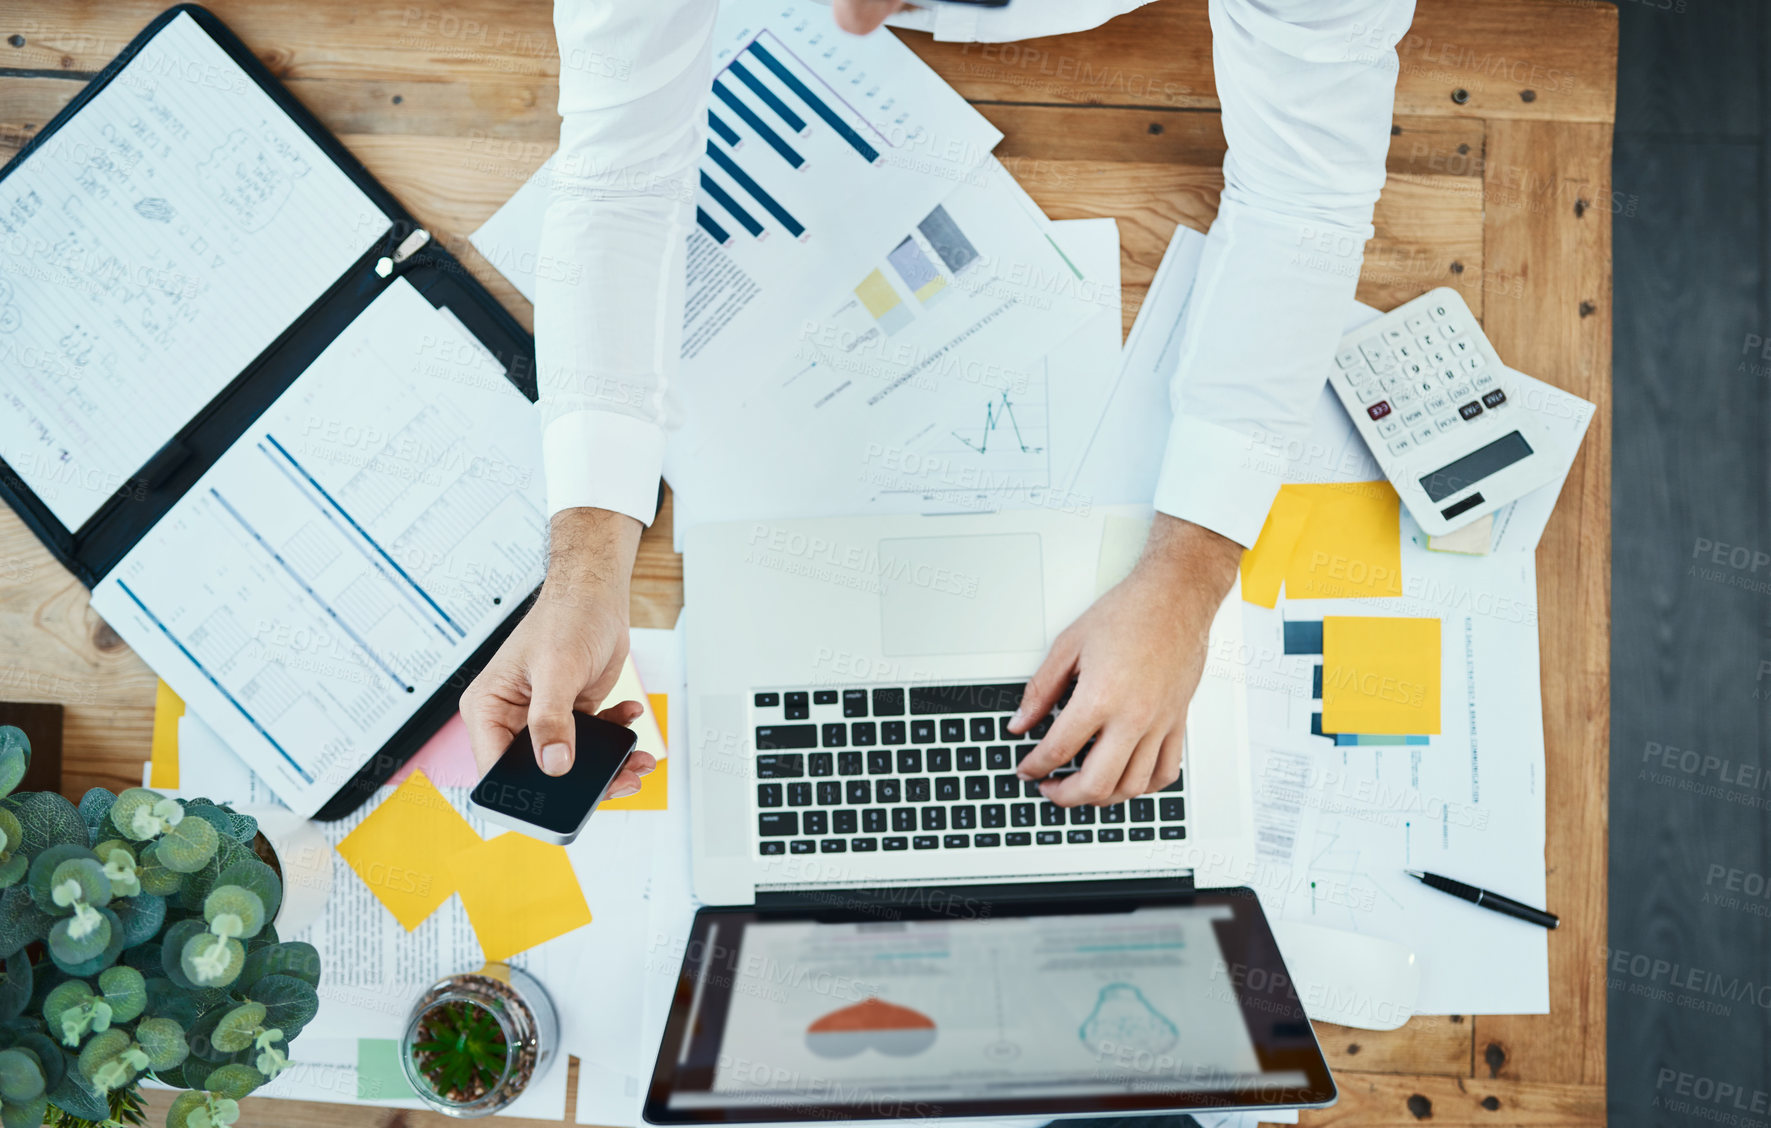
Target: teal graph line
<point>992,420</point>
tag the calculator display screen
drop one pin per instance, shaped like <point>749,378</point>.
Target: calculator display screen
<point>1475,466</point>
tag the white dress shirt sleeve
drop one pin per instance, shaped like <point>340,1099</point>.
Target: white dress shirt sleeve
<point>608,334</point>
<point>1307,89</point>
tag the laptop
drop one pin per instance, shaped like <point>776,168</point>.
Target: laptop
<point>898,927</point>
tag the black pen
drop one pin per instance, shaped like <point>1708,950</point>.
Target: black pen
<point>1486,899</point>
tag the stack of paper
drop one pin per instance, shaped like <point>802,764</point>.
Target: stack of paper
<point>1393,690</point>
<point>903,332</point>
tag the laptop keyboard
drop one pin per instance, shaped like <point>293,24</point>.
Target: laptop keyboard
<point>928,767</point>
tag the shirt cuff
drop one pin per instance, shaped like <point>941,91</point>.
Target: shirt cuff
<point>1217,478</point>
<point>603,460</point>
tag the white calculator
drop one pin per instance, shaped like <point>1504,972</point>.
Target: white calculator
<point>1429,395</point>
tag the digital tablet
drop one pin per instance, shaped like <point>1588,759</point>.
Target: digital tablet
<point>912,1004</point>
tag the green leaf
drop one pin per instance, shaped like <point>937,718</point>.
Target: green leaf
<point>13,869</point>
<point>21,1077</point>
<point>237,1028</point>
<point>101,1049</point>
<point>178,1116</point>
<point>142,915</point>
<point>212,961</point>
<point>187,847</point>
<point>126,989</point>
<point>41,878</point>
<point>15,757</point>
<point>49,1057</point>
<point>26,1114</point>
<point>47,820</point>
<point>95,811</point>
<point>172,951</point>
<point>289,1003</point>
<point>197,885</point>
<point>76,1096</point>
<point>88,875</point>
<point>163,1041</point>
<point>16,987</point>
<point>296,959</point>
<point>74,940</point>
<point>21,921</point>
<point>12,832</point>
<point>252,874</point>
<point>233,910</point>
<point>234,1081</point>
<point>111,928</point>
<point>155,878</point>
<point>133,811</point>
<point>67,1012</point>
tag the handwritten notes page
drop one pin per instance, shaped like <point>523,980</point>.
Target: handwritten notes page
<point>149,250</point>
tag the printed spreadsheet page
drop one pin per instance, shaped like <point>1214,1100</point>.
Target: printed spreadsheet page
<point>348,553</point>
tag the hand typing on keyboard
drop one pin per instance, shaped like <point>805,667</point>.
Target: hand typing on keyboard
<point>1136,657</point>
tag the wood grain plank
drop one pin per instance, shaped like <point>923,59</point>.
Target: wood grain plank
<point>416,42</point>
<point>1428,1044</point>
<point>1368,1099</point>
<point>1558,328</point>
<point>1563,53</point>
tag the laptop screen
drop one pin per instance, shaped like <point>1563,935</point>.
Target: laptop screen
<point>976,1007</point>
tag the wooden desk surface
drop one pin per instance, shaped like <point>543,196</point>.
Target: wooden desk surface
<point>1499,186</point>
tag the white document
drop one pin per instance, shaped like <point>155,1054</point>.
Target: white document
<point>977,396</point>
<point>1338,824</point>
<point>828,147</point>
<point>347,554</point>
<point>1126,452</point>
<point>149,250</point>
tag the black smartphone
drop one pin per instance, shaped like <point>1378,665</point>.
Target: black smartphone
<point>516,793</point>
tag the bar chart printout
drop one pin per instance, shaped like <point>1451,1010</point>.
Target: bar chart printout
<point>822,149</point>
<point>347,554</point>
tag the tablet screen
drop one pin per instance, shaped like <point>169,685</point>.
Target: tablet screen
<point>869,1012</point>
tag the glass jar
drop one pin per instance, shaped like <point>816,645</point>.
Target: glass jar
<point>525,1017</point>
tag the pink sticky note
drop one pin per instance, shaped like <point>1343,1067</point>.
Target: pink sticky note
<point>447,758</point>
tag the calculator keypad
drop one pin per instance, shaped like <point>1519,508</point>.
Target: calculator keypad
<point>1421,378</point>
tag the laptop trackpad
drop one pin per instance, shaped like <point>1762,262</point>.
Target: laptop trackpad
<point>961,595</point>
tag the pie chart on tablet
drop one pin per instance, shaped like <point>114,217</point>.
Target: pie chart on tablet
<point>871,1024</point>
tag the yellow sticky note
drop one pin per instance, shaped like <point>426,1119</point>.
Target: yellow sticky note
<point>653,795</point>
<point>163,752</point>
<point>1380,675</point>
<point>1265,565</point>
<point>401,850</point>
<point>649,727</point>
<point>1351,543</point>
<point>518,892</point>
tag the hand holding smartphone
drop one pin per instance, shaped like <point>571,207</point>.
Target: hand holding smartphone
<point>517,794</point>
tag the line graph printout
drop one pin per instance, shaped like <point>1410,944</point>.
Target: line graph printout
<point>941,377</point>
<point>347,554</point>
<point>149,250</point>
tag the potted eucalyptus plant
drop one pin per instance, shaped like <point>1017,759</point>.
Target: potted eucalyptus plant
<point>136,939</point>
